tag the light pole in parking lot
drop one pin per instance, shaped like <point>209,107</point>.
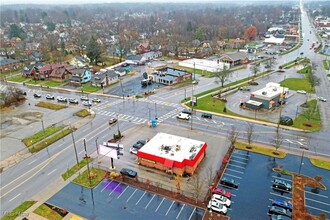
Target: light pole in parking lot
<point>302,157</point>
<point>74,143</point>
<point>194,71</point>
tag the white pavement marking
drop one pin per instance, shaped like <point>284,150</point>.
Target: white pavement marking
<point>276,194</point>
<point>51,172</point>
<point>114,189</point>
<point>81,152</point>
<point>14,197</point>
<point>106,186</point>
<point>131,195</point>
<point>192,213</point>
<point>141,197</point>
<point>169,208</point>
<point>159,205</point>
<point>32,162</point>
<point>276,177</point>
<point>237,166</point>
<point>317,194</point>
<point>238,161</point>
<point>149,202</point>
<point>238,153</point>
<point>122,192</point>
<point>233,176</point>
<point>240,157</point>
<point>322,210</point>
<point>180,211</point>
<point>323,203</point>
<point>235,171</point>
<point>214,122</point>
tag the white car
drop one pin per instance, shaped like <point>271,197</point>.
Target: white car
<point>96,100</point>
<point>301,92</point>
<point>221,199</point>
<point>216,206</point>
<point>87,103</point>
<point>133,150</point>
<point>183,116</point>
<point>322,99</point>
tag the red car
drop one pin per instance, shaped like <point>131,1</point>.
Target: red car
<point>222,192</point>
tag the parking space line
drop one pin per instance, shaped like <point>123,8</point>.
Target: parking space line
<point>276,177</point>
<point>322,210</point>
<point>159,204</point>
<point>149,202</point>
<point>316,194</point>
<point>106,186</point>
<point>235,171</point>
<point>192,213</point>
<point>131,195</point>
<point>323,203</point>
<point>238,153</point>
<point>169,208</point>
<point>180,211</point>
<point>122,192</point>
<point>242,158</point>
<point>237,166</point>
<point>274,194</point>
<point>114,189</point>
<point>237,161</point>
<point>233,176</point>
<point>141,197</point>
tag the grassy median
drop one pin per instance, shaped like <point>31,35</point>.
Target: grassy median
<point>19,211</point>
<point>41,135</point>
<point>82,113</point>
<point>75,168</point>
<point>260,149</point>
<point>92,180</point>
<point>50,105</point>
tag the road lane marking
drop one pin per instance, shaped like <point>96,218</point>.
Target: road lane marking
<point>180,211</point>
<point>141,197</point>
<point>169,208</point>
<point>131,195</point>
<point>14,197</point>
<point>122,192</point>
<point>149,202</point>
<point>81,152</point>
<point>32,162</point>
<point>192,213</point>
<point>106,186</point>
<point>159,204</point>
<point>51,172</point>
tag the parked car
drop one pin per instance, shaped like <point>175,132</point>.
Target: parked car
<point>282,203</point>
<point>37,95</point>
<point>281,185</point>
<point>87,103</point>
<point>139,144</point>
<point>279,211</point>
<point>183,116</point>
<point>206,115</point>
<point>84,98</point>
<point>216,206</point>
<point>186,111</point>
<point>222,192</point>
<point>128,172</point>
<point>73,101</point>
<point>322,99</point>
<point>228,182</point>
<point>223,200</point>
<point>301,92</point>
<point>112,121</point>
<point>61,99</point>
<point>244,88</point>
<point>133,150</point>
<point>279,217</point>
<point>49,96</point>
<point>253,83</point>
<point>286,120</point>
<point>96,100</point>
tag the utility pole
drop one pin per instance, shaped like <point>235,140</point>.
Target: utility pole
<point>87,158</point>
<point>281,107</point>
<point>192,105</point>
<point>43,128</point>
<point>97,149</point>
<point>194,71</point>
<point>155,110</point>
<point>74,145</point>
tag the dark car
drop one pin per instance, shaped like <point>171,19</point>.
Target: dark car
<point>186,111</point>
<point>128,172</point>
<point>73,101</point>
<point>282,203</point>
<point>281,185</point>
<point>253,83</point>
<point>228,182</point>
<point>139,144</point>
<point>206,115</point>
<point>37,95</point>
<point>279,211</point>
<point>286,120</point>
<point>49,96</point>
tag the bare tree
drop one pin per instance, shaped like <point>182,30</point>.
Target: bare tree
<point>209,175</point>
<point>232,135</point>
<point>250,133</point>
<point>277,141</point>
<point>222,75</point>
<point>197,186</point>
<point>309,112</point>
<point>255,69</point>
<point>178,182</point>
<point>269,64</point>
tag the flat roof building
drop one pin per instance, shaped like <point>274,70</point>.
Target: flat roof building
<point>173,154</point>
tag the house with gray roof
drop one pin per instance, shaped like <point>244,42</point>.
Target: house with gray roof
<point>104,79</point>
<point>171,76</point>
<point>9,64</point>
<point>80,76</point>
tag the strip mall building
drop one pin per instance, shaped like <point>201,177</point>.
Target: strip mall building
<point>173,154</point>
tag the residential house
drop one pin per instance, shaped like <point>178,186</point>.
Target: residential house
<point>9,64</point>
<point>122,71</point>
<point>151,55</point>
<point>32,70</point>
<point>143,48</point>
<point>135,59</point>
<point>104,79</point>
<point>171,76</point>
<point>61,74</point>
<point>80,76</point>
<point>45,71</point>
<point>35,56</point>
<point>234,59</point>
<point>80,61</point>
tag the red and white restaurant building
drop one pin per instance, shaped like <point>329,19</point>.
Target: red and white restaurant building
<point>172,154</point>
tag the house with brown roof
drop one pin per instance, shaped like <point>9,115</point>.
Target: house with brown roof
<point>45,71</point>
<point>234,59</point>
<point>61,74</point>
<point>143,48</point>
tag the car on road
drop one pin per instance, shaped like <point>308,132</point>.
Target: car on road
<point>73,101</point>
<point>253,83</point>
<point>229,182</point>
<point>84,98</point>
<point>183,116</point>
<point>279,211</point>
<point>282,203</point>
<point>322,99</point>
<point>112,121</point>
<point>61,99</point>
<point>186,111</point>
<point>97,100</point>
<point>206,115</point>
<point>87,103</point>
<point>286,120</point>
<point>216,206</point>
<point>281,185</point>
<point>49,96</point>
<point>301,92</point>
<point>222,192</point>
<point>244,88</point>
<point>128,172</point>
<point>139,143</point>
<point>223,200</point>
<point>37,95</point>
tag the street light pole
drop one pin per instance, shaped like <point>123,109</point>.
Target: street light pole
<point>74,145</point>
<point>87,157</point>
<point>194,71</point>
<point>302,157</point>
<point>192,106</point>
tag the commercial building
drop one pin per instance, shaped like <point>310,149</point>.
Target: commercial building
<point>173,154</point>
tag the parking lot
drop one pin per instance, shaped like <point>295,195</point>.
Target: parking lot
<point>114,200</point>
<point>254,175</point>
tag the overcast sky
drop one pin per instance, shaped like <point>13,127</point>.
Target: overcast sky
<point>56,2</point>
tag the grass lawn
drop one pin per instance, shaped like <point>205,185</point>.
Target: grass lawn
<point>211,104</point>
<point>298,84</point>
<point>17,79</point>
<point>89,88</point>
<point>47,212</point>
<point>82,113</point>
<point>75,169</point>
<point>98,176</point>
<point>19,211</point>
<point>321,163</point>
<point>305,70</point>
<point>326,64</point>
<point>50,105</point>
<point>52,83</point>
<point>261,149</point>
<point>48,141</point>
<point>315,122</point>
<point>41,135</point>
<point>35,82</point>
